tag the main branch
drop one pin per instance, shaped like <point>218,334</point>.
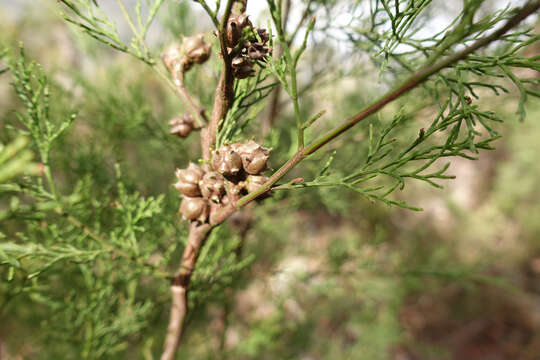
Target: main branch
<point>179,288</point>
<point>224,92</point>
<point>199,232</point>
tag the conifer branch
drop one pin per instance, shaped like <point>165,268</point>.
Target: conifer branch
<point>412,82</point>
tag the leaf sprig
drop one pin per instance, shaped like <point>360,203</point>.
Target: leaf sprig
<point>91,19</point>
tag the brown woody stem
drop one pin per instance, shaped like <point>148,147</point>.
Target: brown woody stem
<point>179,288</point>
<point>200,115</point>
<point>198,232</point>
<point>183,95</point>
<point>224,92</point>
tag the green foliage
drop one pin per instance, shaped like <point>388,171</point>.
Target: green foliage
<point>85,254</point>
<point>466,127</point>
<point>32,87</point>
<point>88,16</point>
<point>387,158</point>
<point>247,104</point>
<point>286,66</point>
<point>15,159</point>
<point>89,243</point>
<point>98,239</point>
<point>394,33</point>
<point>218,266</point>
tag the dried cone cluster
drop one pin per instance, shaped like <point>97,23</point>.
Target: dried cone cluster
<point>237,167</point>
<point>194,50</point>
<point>242,164</point>
<point>201,190</point>
<point>245,44</point>
<point>230,160</point>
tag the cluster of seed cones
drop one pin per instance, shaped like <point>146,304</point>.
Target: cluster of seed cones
<point>237,167</point>
<point>245,44</point>
<point>181,58</point>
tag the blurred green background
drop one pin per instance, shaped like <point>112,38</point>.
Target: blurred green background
<point>333,275</point>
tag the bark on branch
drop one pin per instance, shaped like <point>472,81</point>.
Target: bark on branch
<point>179,288</point>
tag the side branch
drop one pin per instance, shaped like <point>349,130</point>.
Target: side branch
<point>413,81</point>
<point>179,90</point>
<point>421,76</point>
<point>199,112</point>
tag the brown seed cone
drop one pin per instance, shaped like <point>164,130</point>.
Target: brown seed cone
<point>263,34</point>
<point>235,28</point>
<point>225,200</point>
<point>253,182</point>
<point>188,180</point>
<point>226,161</point>
<point>242,67</point>
<point>194,209</point>
<point>171,58</point>
<point>186,63</point>
<point>256,49</point>
<point>196,49</point>
<point>182,126</point>
<point>254,157</point>
<point>257,52</point>
<point>245,44</point>
<point>212,186</point>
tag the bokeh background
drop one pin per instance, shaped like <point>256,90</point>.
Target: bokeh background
<point>333,276</point>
